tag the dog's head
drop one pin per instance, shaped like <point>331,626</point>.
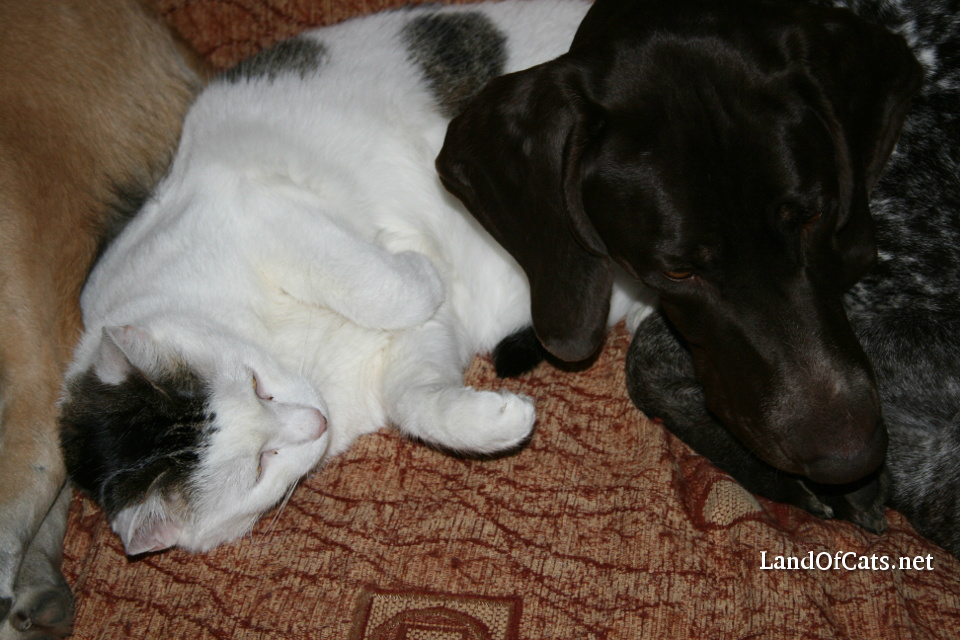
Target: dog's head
<point>721,152</point>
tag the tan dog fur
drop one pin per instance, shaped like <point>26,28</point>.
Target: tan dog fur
<point>92,95</point>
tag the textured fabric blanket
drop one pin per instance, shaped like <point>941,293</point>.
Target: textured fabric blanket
<point>605,526</point>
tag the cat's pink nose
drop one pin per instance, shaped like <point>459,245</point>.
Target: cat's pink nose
<point>321,425</point>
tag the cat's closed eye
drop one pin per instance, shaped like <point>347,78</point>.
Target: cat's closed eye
<point>258,388</point>
<point>263,462</point>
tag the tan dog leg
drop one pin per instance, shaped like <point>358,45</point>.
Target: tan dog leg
<point>30,464</point>
<point>44,602</point>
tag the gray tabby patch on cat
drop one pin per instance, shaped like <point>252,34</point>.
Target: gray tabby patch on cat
<point>298,56</point>
<point>458,54</point>
<point>158,427</point>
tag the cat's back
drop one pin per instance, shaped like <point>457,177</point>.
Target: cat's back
<point>352,115</point>
<point>449,48</point>
<point>356,113</point>
<point>413,67</point>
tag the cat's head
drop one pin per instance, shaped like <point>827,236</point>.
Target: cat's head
<point>189,445</point>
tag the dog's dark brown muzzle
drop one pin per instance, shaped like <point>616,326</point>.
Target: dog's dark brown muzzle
<point>790,379</point>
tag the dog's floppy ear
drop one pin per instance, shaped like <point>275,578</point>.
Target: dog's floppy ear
<point>870,75</point>
<point>514,157</point>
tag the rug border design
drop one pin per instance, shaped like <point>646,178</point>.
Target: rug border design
<point>368,593</point>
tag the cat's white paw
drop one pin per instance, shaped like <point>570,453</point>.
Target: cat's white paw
<point>491,421</point>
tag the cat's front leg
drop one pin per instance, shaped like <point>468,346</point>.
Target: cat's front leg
<point>322,262</point>
<point>426,398</point>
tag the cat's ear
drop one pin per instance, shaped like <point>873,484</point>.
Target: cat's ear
<point>120,348</point>
<point>147,527</point>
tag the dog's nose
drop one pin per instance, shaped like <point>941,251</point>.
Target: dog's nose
<point>850,459</point>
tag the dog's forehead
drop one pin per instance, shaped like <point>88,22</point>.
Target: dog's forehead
<point>706,199</point>
<point>739,44</point>
<point>747,22</point>
<point>727,159</point>
<point>704,77</point>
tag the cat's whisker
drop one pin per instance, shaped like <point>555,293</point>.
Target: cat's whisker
<point>279,509</point>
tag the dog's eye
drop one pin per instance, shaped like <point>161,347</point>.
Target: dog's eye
<point>809,221</point>
<point>678,274</point>
<point>794,214</point>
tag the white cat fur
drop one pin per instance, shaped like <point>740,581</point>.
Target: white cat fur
<point>303,235</point>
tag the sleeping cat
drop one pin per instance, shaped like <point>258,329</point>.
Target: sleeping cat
<point>301,277</point>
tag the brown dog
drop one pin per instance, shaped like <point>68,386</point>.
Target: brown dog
<point>720,151</point>
<point>92,95</point>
